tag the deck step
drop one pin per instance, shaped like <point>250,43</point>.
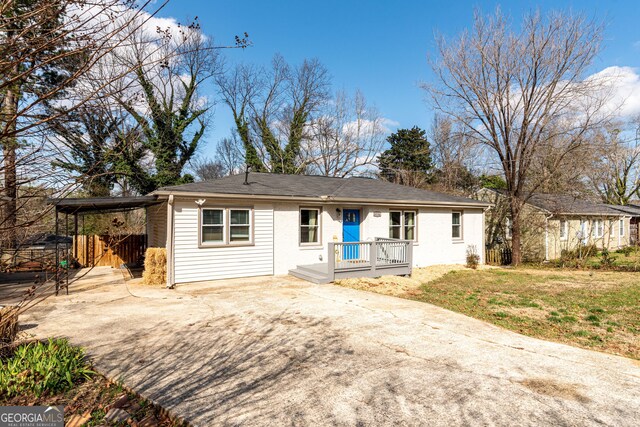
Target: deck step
<point>309,275</point>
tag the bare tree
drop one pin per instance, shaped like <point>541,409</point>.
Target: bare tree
<point>515,90</point>
<point>230,154</point>
<point>272,108</point>
<point>454,153</point>
<point>45,47</point>
<point>346,138</point>
<point>615,172</point>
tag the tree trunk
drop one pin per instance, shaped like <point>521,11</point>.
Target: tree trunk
<point>9,146</point>
<point>515,207</point>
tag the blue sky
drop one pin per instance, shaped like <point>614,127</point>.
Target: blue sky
<point>379,47</point>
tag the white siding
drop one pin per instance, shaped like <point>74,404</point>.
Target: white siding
<point>194,263</point>
<point>434,246</point>
<point>157,225</point>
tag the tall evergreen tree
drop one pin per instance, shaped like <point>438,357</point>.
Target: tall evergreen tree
<point>408,161</point>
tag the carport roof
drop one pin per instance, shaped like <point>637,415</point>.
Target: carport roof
<point>102,204</point>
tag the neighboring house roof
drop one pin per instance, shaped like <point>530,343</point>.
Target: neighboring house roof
<point>567,204</point>
<point>632,209</point>
<point>322,188</point>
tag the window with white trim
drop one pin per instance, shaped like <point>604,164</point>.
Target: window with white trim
<point>612,228</point>
<point>309,226</point>
<point>456,225</point>
<point>226,226</point>
<point>621,227</point>
<point>597,228</point>
<point>239,225</point>
<point>212,226</point>
<point>402,225</point>
<point>564,229</point>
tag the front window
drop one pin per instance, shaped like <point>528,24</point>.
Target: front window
<point>402,225</point>
<point>456,225</point>
<point>621,227</point>
<point>395,225</point>
<point>598,228</point>
<point>612,228</point>
<point>309,225</point>
<point>564,229</point>
<point>410,225</point>
<point>239,225</point>
<point>213,226</point>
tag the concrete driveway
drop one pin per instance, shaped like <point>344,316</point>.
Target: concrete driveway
<point>279,351</point>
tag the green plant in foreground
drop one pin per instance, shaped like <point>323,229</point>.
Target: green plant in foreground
<point>42,368</point>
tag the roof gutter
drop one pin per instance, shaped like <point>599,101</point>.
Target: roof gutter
<point>322,199</point>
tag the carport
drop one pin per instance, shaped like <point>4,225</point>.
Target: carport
<point>79,207</point>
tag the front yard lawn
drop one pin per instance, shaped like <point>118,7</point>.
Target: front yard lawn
<point>597,310</point>
<point>592,309</point>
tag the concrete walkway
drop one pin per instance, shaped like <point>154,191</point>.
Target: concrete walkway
<point>279,351</point>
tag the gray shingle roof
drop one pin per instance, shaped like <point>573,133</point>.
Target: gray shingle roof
<point>567,204</point>
<point>571,205</point>
<point>321,187</point>
<point>632,209</point>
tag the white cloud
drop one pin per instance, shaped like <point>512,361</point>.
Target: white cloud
<point>624,89</point>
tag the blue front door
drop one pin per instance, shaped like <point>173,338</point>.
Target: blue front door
<point>351,232</point>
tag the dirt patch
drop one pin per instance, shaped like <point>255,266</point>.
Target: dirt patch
<point>398,286</point>
<point>554,389</point>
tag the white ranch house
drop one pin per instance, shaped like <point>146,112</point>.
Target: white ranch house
<point>317,228</point>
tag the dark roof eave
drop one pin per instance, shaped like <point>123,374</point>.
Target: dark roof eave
<point>321,199</point>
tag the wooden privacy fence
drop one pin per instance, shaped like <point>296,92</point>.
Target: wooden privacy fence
<point>112,251</point>
<point>498,256</point>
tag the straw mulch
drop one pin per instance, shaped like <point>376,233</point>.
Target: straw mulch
<point>155,267</point>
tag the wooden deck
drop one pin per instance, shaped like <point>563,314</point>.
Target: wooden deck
<point>360,259</point>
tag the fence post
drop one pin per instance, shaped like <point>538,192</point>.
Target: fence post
<point>331,261</point>
<point>410,256</point>
<point>373,256</point>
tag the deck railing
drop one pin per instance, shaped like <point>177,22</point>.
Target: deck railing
<point>370,258</point>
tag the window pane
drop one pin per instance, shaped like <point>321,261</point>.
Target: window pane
<point>239,233</point>
<point>309,234</point>
<point>455,232</point>
<point>409,218</point>
<point>212,233</point>
<point>394,232</point>
<point>212,216</point>
<point>395,218</point>
<point>409,233</point>
<point>455,218</point>
<point>308,217</point>
<point>239,217</point>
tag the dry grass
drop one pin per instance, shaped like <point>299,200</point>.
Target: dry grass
<point>554,388</point>
<point>155,267</point>
<point>398,286</point>
<point>599,310</point>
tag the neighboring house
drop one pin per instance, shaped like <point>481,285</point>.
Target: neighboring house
<point>318,228</point>
<point>553,223</point>
<point>633,210</point>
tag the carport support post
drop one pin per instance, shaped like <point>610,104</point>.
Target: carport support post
<point>75,235</point>
<point>57,254</point>
<point>66,224</point>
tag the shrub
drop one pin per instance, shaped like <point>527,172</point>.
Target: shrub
<point>473,259</point>
<point>606,260</point>
<point>42,368</point>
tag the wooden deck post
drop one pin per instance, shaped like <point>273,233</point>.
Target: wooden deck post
<point>331,261</point>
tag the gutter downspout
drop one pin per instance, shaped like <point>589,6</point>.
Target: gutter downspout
<point>169,245</point>
<point>546,237</point>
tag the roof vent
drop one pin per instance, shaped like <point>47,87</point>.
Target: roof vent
<point>246,176</point>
